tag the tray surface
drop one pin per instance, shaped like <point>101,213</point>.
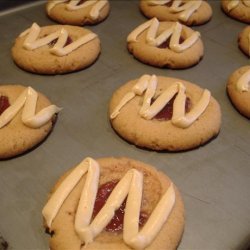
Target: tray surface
<point>214,179</point>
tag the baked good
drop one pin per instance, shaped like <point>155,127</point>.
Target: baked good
<point>55,49</point>
<point>244,40</point>
<point>239,91</point>
<point>237,9</point>
<point>165,44</point>
<point>78,12</point>
<point>163,113</point>
<point>187,12</point>
<point>77,218</point>
<point>26,118</point>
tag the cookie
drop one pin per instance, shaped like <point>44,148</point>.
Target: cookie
<point>80,211</point>
<point>165,44</point>
<point>163,113</point>
<point>78,12</point>
<point>187,12</point>
<point>26,119</point>
<point>55,49</point>
<point>244,40</point>
<point>239,91</point>
<point>237,9</point>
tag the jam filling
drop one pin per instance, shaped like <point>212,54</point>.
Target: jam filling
<point>116,224</point>
<point>53,42</point>
<point>4,103</point>
<point>167,112</point>
<point>165,44</point>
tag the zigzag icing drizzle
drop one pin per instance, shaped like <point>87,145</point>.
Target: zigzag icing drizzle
<point>234,3</point>
<point>185,10</point>
<point>97,5</point>
<point>28,100</point>
<point>174,31</point>
<point>130,186</point>
<point>148,84</point>
<point>243,83</point>
<point>32,41</point>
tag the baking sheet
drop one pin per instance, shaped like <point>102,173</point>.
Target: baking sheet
<point>214,179</point>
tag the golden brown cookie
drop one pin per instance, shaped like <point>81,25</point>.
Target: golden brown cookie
<point>155,185</point>
<point>165,44</point>
<point>22,132</point>
<point>244,40</point>
<point>189,13</point>
<point>238,90</point>
<point>237,9</point>
<point>78,12</point>
<point>55,49</point>
<point>146,113</point>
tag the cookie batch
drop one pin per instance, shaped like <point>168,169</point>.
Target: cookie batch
<point>121,203</point>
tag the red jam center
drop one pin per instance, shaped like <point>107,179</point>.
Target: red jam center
<point>4,103</point>
<point>116,224</point>
<point>167,112</point>
<point>165,44</point>
<point>53,42</point>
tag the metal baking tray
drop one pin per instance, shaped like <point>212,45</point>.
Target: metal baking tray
<point>214,179</point>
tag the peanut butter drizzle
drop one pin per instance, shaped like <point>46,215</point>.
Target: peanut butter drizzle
<point>130,186</point>
<point>72,5</point>
<point>174,33</point>
<point>184,8</point>
<point>27,100</point>
<point>148,84</point>
<point>32,40</point>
